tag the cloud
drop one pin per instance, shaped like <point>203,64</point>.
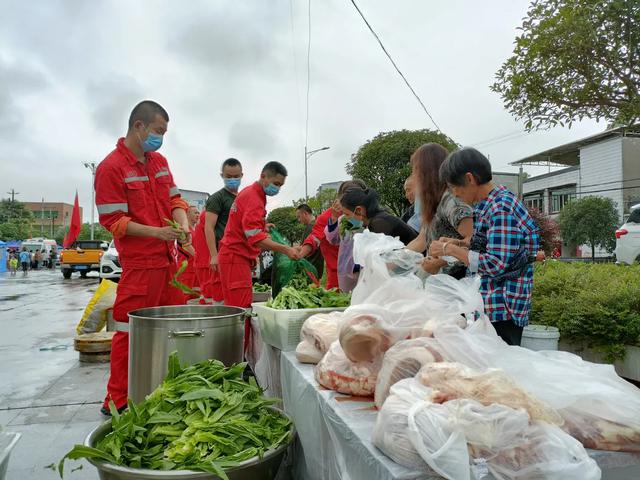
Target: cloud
<point>257,138</point>
<point>19,81</point>
<point>110,100</point>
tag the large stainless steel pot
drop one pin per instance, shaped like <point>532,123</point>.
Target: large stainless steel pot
<point>252,469</point>
<point>197,332</point>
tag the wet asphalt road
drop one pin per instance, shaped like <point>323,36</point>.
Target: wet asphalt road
<point>45,392</point>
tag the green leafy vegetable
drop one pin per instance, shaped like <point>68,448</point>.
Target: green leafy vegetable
<point>178,228</point>
<point>291,298</point>
<point>181,286</point>
<point>261,287</point>
<point>203,417</point>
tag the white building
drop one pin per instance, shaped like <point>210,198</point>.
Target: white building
<point>194,198</point>
<point>606,164</point>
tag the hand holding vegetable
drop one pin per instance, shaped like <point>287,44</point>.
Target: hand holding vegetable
<point>168,234</point>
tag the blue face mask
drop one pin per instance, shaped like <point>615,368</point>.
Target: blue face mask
<point>152,143</point>
<point>271,189</point>
<point>417,206</point>
<point>232,183</point>
<point>355,222</point>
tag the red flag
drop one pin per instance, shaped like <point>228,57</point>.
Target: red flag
<point>74,226</point>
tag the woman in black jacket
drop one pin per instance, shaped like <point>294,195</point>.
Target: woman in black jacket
<point>362,208</point>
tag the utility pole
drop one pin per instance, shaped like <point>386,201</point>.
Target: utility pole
<point>307,155</point>
<point>42,217</point>
<point>13,194</point>
<point>92,166</point>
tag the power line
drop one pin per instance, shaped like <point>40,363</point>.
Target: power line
<point>395,66</point>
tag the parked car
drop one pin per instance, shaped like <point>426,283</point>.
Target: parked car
<point>83,256</point>
<point>628,238</point>
<point>110,267</point>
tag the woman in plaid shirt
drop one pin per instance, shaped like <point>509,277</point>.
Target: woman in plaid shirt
<point>504,243</point>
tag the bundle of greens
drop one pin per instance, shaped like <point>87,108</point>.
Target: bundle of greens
<point>203,417</point>
<point>261,287</point>
<point>309,296</point>
<point>177,228</point>
<point>181,286</point>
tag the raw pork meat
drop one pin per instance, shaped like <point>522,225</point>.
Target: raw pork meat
<point>321,330</point>
<point>336,372</point>
<point>307,353</point>
<point>404,360</point>
<point>454,380</point>
<point>363,337</point>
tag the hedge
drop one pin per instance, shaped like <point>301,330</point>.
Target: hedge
<point>593,304</point>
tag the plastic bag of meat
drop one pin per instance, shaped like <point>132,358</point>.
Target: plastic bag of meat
<point>321,330</point>
<point>390,430</point>
<point>307,353</point>
<point>600,408</point>
<point>463,439</point>
<point>454,380</point>
<point>336,372</point>
<point>364,338</point>
<point>404,360</point>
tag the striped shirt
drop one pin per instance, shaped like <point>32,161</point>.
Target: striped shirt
<point>509,230</point>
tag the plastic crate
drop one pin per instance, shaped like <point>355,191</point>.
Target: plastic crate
<point>281,328</point>
<point>261,296</point>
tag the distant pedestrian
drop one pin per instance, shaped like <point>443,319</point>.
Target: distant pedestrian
<point>45,259</point>
<point>25,259</point>
<point>13,264</point>
<point>52,258</point>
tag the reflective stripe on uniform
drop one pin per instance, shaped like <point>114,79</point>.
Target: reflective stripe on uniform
<point>122,327</point>
<point>162,173</point>
<point>251,233</point>
<point>112,207</point>
<point>174,191</point>
<point>136,179</point>
<point>316,240</point>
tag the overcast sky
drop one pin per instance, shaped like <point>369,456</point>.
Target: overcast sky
<point>232,75</point>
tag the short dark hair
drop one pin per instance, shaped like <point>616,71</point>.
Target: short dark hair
<point>230,162</point>
<point>349,184</point>
<point>463,161</point>
<point>305,208</point>
<point>356,197</point>
<point>275,168</point>
<point>146,112</point>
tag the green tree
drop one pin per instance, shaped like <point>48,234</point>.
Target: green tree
<point>574,59</point>
<point>383,162</point>
<point>320,202</point>
<point>590,221</point>
<point>99,233</point>
<point>16,221</point>
<point>284,218</point>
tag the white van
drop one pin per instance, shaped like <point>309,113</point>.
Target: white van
<point>38,244</point>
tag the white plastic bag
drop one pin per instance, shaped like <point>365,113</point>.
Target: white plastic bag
<point>307,353</point>
<point>446,295</point>
<point>390,431</point>
<point>599,408</point>
<point>336,372</point>
<point>404,360</point>
<point>379,261</point>
<point>453,380</point>
<point>321,330</point>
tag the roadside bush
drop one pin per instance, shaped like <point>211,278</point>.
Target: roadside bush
<point>593,304</point>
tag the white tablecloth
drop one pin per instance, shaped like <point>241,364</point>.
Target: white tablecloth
<point>334,435</point>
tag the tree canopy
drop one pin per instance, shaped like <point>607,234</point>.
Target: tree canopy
<point>99,233</point>
<point>574,59</point>
<point>16,221</point>
<point>284,218</point>
<point>383,162</point>
<point>320,202</point>
<point>590,221</point>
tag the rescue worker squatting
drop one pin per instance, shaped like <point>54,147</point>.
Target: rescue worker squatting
<point>135,192</point>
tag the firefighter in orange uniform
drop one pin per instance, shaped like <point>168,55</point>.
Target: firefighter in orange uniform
<point>135,193</point>
<point>246,235</point>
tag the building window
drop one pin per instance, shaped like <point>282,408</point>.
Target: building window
<point>560,198</point>
<point>534,202</point>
